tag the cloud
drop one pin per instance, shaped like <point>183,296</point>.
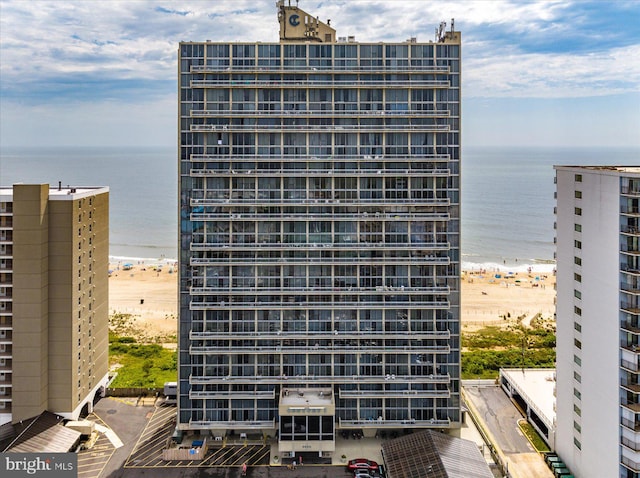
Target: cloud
<point>90,54</point>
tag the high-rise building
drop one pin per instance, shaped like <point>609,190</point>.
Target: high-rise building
<point>319,235</point>
<point>598,333</point>
<point>54,248</point>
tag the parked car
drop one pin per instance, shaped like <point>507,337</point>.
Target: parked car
<point>362,464</point>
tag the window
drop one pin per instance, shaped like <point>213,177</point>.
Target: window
<point>577,443</point>
<point>578,178</point>
<point>577,244</point>
<point>577,360</point>
<point>577,227</point>
<point>577,294</point>
<point>577,377</point>
<point>577,194</point>
<point>577,261</point>
<point>577,277</point>
<point>577,427</point>
<point>577,410</point>
<point>577,326</point>
<point>577,343</point>
<point>577,394</point>
<point>577,311</point>
<point>577,211</point>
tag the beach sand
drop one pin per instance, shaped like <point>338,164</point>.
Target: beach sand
<point>150,296</point>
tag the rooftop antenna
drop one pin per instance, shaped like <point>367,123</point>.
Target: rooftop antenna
<point>452,24</point>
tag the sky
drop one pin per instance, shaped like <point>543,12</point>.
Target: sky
<point>535,73</point>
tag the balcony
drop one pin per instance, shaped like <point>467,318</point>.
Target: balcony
<point>630,287</point>
<point>631,464</point>
<point>224,395</point>
<point>631,327</point>
<point>629,210</point>
<point>316,350</point>
<point>275,111</point>
<point>632,405</point>
<point>630,366</point>
<point>630,307</point>
<point>303,304</point>
<point>232,424</point>
<point>631,444</point>
<point>413,171</point>
<point>633,386</point>
<point>226,67</point>
<point>303,128</point>
<point>630,229</point>
<point>197,158</point>
<point>632,347</point>
<point>631,250</point>
<point>327,335</point>
<point>433,423</point>
<point>315,83</point>
<point>397,393</point>
<point>305,379</point>
<point>318,290</point>
<point>633,425</point>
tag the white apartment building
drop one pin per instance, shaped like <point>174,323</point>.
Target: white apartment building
<point>598,333</point>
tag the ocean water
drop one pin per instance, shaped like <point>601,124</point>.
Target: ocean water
<point>507,196</point>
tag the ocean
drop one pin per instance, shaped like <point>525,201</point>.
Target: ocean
<point>507,196</point>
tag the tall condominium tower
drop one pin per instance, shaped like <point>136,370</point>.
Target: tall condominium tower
<point>319,229</point>
<point>54,316</point>
<point>598,306</point>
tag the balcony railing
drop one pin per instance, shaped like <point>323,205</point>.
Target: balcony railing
<point>319,290</point>
<point>632,405</point>
<point>232,424</point>
<point>306,379</point>
<point>631,444</point>
<point>236,395</point>
<point>334,157</point>
<point>322,128</point>
<point>271,113</point>
<point>315,83</point>
<point>634,230</point>
<point>326,335</point>
<point>323,172</point>
<point>319,69</point>
<point>317,350</point>
<point>634,386</point>
<point>629,210</point>
<point>630,327</point>
<point>630,287</point>
<point>630,424</point>
<point>431,305</point>
<point>635,348</point>
<point>629,463</point>
<point>398,393</point>
<point>632,366</point>
<point>630,307</point>
<point>394,423</point>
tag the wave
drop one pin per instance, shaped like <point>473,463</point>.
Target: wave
<point>142,260</point>
<point>535,265</point>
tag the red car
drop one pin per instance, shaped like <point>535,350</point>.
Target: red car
<point>362,464</point>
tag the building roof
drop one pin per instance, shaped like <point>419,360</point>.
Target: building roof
<point>44,433</point>
<point>536,387</point>
<point>435,455</point>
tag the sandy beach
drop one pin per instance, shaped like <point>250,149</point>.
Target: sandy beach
<point>149,294</point>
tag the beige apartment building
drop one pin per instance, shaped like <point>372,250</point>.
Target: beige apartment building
<point>54,247</point>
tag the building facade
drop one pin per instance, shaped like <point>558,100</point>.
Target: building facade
<point>54,248</point>
<point>319,235</point>
<point>598,333</point>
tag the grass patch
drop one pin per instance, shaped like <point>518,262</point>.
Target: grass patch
<point>141,365</point>
<point>491,348</point>
<point>533,436</point>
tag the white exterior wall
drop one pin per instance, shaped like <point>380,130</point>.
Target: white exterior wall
<point>592,448</point>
